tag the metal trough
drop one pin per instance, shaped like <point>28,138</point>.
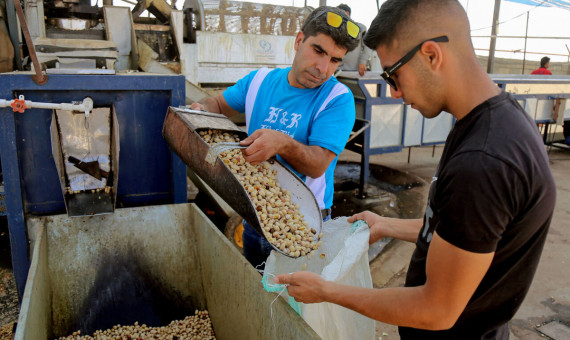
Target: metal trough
<point>149,264</point>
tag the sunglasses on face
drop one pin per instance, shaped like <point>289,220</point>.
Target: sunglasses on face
<point>335,20</point>
<point>390,71</point>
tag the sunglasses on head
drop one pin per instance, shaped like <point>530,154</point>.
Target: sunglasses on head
<point>335,20</point>
<point>392,69</point>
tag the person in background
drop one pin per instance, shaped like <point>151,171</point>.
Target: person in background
<point>491,198</point>
<point>300,114</point>
<point>357,59</point>
<point>543,69</point>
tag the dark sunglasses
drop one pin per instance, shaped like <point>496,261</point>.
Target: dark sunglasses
<point>389,72</point>
<point>335,20</point>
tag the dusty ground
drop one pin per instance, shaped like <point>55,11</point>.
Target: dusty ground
<point>545,312</point>
<point>8,295</point>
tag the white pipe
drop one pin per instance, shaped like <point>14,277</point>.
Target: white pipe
<point>85,106</point>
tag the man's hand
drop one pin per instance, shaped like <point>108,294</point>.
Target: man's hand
<point>216,104</point>
<point>380,226</point>
<point>197,106</point>
<point>310,160</point>
<point>263,144</point>
<point>374,222</point>
<point>306,287</point>
<point>361,69</point>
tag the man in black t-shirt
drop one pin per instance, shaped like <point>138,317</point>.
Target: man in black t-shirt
<point>491,199</point>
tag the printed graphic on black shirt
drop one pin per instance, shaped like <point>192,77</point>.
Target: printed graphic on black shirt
<point>427,231</point>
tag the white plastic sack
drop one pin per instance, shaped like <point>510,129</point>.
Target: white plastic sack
<point>342,258</point>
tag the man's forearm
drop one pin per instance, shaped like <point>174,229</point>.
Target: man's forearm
<point>402,229</point>
<point>216,104</point>
<point>402,306</point>
<point>309,160</point>
<point>210,104</point>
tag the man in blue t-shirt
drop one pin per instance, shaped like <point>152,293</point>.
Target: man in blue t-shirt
<point>300,114</point>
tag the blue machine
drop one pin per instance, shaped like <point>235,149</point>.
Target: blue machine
<point>149,172</point>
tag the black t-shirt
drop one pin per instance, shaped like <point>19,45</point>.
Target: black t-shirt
<point>492,192</point>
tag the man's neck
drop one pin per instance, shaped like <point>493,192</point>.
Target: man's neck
<point>468,96</point>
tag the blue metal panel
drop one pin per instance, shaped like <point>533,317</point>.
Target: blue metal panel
<point>381,99</point>
<point>149,173</point>
<point>369,101</point>
<point>13,194</point>
<point>564,81</point>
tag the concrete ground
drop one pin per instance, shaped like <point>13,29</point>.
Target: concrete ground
<point>545,313</point>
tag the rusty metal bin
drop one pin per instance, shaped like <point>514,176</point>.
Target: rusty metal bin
<point>149,264</point>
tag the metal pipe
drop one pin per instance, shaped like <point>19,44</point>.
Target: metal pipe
<point>107,2</point>
<point>491,60</point>
<point>520,37</point>
<point>84,106</point>
<point>515,51</point>
<point>14,36</point>
<point>39,77</point>
<point>525,39</point>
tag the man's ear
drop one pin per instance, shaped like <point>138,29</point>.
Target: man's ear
<point>299,39</point>
<point>433,53</point>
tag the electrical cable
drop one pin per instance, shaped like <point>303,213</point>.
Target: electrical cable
<point>513,18</point>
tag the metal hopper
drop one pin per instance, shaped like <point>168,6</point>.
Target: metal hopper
<point>180,130</point>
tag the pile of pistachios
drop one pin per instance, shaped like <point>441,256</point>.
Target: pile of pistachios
<point>197,326</point>
<point>283,224</point>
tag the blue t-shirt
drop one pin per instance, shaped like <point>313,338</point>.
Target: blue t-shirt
<point>323,116</point>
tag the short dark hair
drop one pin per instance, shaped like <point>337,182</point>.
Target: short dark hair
<point>345,8</point>
<point>383,30</point>
<point>317,23</point>
<point>544,61</point>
